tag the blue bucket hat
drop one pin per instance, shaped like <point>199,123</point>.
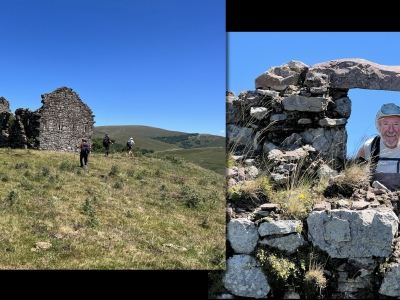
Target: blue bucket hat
<point>388,109</point>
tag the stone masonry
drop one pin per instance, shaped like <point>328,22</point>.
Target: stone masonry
<point>299,113</point>
<point>61,122</point>
<point>296,105</point>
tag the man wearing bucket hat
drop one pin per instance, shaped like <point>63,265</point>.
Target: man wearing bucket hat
<point>383,151</point>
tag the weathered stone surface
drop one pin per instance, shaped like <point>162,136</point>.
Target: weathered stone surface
<point>292,142</point>
<point>353,234</point>
<point>233,110</point>
<point>251,172</point>
<point>279,156</point>
<point>319,207</point>
<point>304,121</point>
<point>287,243</point>
<point>354,73</point>
<point>343,107</point>
<point>390,284</point>
<point>242,234</point>
<point>329,141</point>
<point>243,277</point>
<point>359,204</point>
<point>279,78</point>
<point>270,93</point>
<point>268,206</point>
<point>230,172</point>
<point>258,112</point>
<point>267,147</point>
<point>249,162</point>
<point>301,103</point>
<point>238,135</point>
<point>326,171</point>
<point>278,227</point>
<point>277,117</point>
<point>328,122</point>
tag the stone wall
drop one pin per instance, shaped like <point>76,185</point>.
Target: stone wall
<point>61,122</point>
<point>5,114</point>
<point>297,112</point>
<point>296,105</point>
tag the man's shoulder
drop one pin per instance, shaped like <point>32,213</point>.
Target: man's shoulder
<point>369,141</point>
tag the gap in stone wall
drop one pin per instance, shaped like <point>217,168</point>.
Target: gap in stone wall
<point>361,124</point>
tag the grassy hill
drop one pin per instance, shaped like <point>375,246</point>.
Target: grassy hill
<point>146,213</point>
<point>133,130</point>
<point>205,150</point>
<point>211,158</point>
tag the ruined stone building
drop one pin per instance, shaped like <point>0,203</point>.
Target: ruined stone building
<point>61,122</point>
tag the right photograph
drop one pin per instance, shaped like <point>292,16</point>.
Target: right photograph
<point>313,166</point>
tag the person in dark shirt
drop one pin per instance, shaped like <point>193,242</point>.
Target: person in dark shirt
<point>106,143</point>
<point>84,152</point>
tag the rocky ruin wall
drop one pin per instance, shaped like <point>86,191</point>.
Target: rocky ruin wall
<point>58,125</point>
<point>294,105</point>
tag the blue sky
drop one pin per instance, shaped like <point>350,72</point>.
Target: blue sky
<point>133,62</point>
<point>252,53</point>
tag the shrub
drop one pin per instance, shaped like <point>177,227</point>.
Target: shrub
<point>21,165</point>
<point>12,196</point>
<point>66,166</point>
<point>191,198</point>
<point>114,170</point>
<point>118,185</point>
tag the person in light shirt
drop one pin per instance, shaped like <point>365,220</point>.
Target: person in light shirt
<point>383,151</point>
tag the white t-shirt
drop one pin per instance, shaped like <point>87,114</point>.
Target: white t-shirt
<point>386,166</point>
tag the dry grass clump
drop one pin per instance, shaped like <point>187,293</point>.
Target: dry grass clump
<point>254,192</point>
<point>294,203</point>
<point>356,174</point>
<point>314,280</point>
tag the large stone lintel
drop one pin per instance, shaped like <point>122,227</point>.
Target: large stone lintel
<point>353,73</point>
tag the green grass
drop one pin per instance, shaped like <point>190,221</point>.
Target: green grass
<point>212,158</point>
<point>145,213</point>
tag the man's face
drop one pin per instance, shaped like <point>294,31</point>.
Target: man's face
<point>389,128</point>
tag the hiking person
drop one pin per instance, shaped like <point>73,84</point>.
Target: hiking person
<point>383,150</point>
<point>84,152</point>
<point>129,144</point>
<point>106,143</point>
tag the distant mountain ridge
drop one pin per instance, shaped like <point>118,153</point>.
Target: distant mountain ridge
<point>121,133</point>
<point>137,130</point>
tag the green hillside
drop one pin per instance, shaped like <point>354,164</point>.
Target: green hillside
<point>133,130</point>
<point>205,150</point>
<point>124,132</point>
<point>211,158</point>
<point>193,140</point>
